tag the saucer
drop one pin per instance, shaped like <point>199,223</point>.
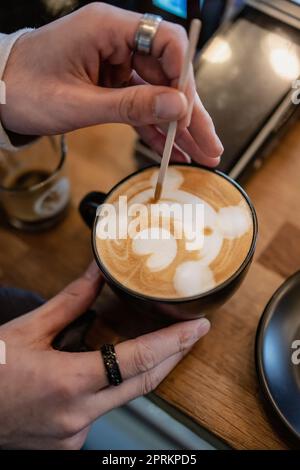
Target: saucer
<point>277,352</point>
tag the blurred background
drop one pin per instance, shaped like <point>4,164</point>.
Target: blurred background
<point>15,14</point>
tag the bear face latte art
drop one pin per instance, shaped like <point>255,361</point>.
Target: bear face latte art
<point>192,240</point>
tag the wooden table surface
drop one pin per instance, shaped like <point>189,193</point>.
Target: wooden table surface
<point>216,383</point>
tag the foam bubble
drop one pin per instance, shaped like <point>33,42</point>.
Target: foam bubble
<point>233,221</point>
<point>143,197</point>
<point>159,244</point>
<point>183,197</point>
<point>173,179</point>
<point>193,278</point>
<point>211,248</point>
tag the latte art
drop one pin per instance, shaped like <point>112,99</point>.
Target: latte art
<point>153,260</point>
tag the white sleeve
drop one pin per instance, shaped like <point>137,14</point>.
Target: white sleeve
<point>6,44</point>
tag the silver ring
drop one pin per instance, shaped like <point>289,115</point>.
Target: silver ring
<point>146,32</point>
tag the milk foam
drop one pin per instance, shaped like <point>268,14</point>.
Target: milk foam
<point>233,221</point>
<point>158,244</point>
<point>173,180</point>
<point>156,250</point>
<point>192,278</point>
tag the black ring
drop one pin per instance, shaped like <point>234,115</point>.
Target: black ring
<point>111,364</point>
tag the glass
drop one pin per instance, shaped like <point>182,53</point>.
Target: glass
<point>34,187</point>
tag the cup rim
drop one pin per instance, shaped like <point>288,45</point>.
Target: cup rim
<point>41,184</point>
<point>181,300</point>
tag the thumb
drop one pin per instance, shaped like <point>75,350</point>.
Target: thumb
<point>136,105</point>
<point>70,303</point>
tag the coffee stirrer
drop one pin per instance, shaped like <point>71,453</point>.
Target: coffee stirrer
<point>171,134</point>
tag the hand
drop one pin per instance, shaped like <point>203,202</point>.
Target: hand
<point>75,73</point>
<point>48,398</point>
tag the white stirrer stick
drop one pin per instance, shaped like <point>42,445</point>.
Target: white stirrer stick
<point>188,59</point>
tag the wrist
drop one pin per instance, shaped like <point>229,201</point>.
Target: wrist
<point>9,140</point>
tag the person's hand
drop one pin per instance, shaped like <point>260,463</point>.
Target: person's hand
<point>48,398</point>
<point>76,72</point>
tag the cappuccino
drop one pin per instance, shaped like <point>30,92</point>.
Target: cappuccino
<point>175,254</point>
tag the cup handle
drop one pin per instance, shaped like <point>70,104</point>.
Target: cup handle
<point>89,205</point>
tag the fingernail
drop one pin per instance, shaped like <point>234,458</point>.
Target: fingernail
<point>220,145</point>
<point>190,112</point>
<point>170,106</point>
<point>214,162</point>
<point>202,327</point>
<point>93,272</point>
<point>187,158</point>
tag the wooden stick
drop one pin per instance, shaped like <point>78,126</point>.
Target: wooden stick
<point>188,59</point>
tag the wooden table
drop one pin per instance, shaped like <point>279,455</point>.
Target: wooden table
<point>216,383</point>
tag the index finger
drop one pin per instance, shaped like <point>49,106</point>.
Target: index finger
<point>135,356</point>
<point>169,47</point>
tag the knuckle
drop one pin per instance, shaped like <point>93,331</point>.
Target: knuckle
<point>94,8</point>
<point>185,338</point>
<point>144,358</point>
<point>180,134</point>
<point>149,382</point>
<point>128,107</point>
<point>179,33</point>
<point>65,390</point>
<point>69,293</point>
<point>69,425</point>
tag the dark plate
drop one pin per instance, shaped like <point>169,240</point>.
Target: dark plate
<point>278,354</point>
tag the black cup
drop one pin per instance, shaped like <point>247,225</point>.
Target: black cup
<point>181,309</point>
